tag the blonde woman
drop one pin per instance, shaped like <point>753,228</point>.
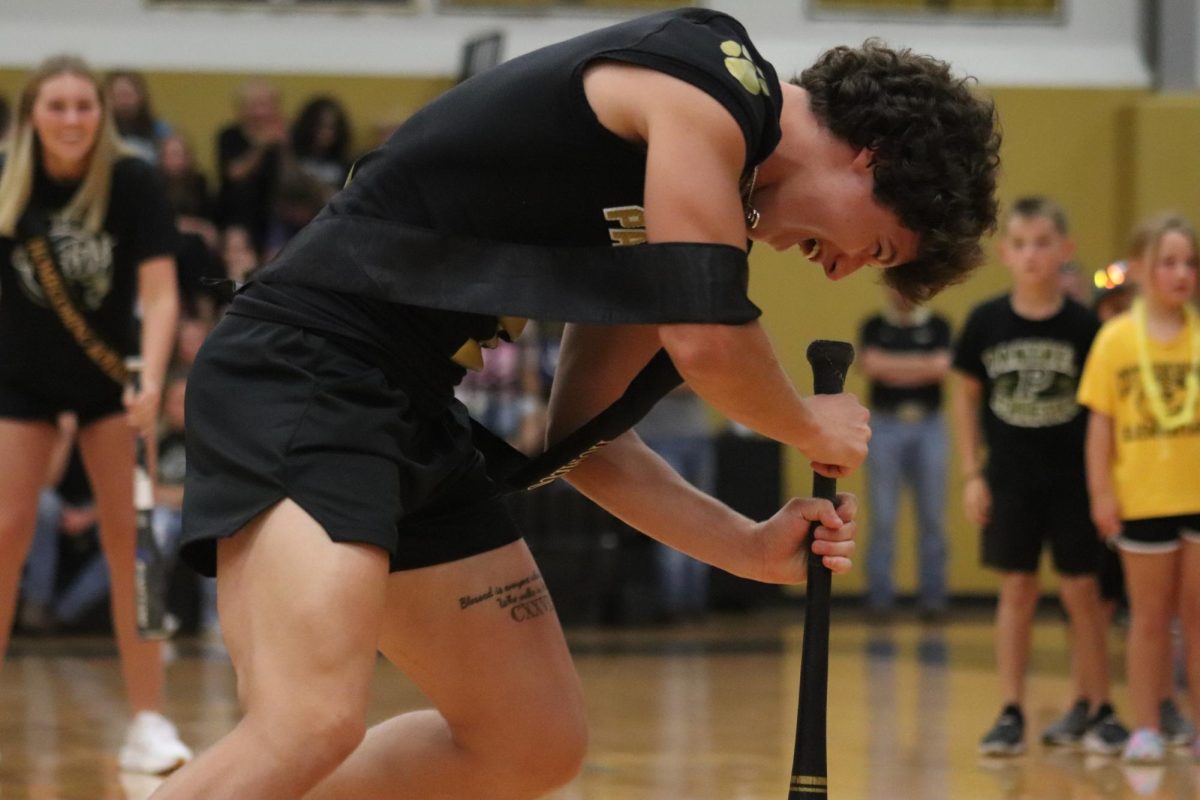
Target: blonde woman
<point>85,231</point>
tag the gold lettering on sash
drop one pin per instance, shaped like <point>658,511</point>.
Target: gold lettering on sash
<point>567,467</point>
<point>104,356</point>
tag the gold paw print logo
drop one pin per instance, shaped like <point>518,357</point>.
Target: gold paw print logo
<point>741,67</point>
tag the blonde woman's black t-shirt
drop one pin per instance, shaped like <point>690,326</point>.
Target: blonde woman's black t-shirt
<point>100,269</point>
<point>516,155</point>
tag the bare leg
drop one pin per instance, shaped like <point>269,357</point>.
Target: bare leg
<point>1089,650</point>
<point>1152,580</point>
<point>107,449</point>
<point>1189,617</point>
<point>300,614</point>
<point>509,722</point>
<point>1014,621</point>
<point>26,448</point>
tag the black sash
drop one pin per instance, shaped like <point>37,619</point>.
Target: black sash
<point>514,471</point>
<point>645,284</point>
<point>34,230</point>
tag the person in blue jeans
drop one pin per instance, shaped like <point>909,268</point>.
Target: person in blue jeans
<point>905,355</point>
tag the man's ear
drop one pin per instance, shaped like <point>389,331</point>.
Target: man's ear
<point>1069,249</point>
<point>865,160</point>
<point>1002,248</point>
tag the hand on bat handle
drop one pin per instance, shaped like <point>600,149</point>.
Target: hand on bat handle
<point>802,526</point>
<point>830,362</point>
<point>840,427</point>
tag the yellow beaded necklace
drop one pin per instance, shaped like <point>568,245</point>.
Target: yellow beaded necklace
<point>1186,415</point>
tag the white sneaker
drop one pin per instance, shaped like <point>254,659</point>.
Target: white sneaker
<point>152,746</point>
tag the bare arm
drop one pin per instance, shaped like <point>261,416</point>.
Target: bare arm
<point>905,369</point>
<point>1098,453</point>
<point>634,484</point>
<point>965,399</point>
<point>695,156</point>
<point>159,299</point>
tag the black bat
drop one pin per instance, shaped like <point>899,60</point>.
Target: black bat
<point>810,777</point>
<point>150,567</point>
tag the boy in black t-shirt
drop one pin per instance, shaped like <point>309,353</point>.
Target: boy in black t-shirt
<point>1018,362</point>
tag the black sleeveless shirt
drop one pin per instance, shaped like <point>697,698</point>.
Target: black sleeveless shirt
<point>516,157</point>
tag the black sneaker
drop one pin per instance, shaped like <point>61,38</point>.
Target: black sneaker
<point>1176,730</point>
<point>1007,736</point>
<point>1106,735</point>
<point>1068,730</point>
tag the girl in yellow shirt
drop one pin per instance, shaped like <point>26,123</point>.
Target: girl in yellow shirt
<point>1142,385</point>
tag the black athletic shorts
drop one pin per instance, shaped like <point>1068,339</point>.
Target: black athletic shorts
<point>1028,513</point>
<point>32,402</point>
<point>277,411</point>
<point>1111,575</point>
<point>1158,534</point>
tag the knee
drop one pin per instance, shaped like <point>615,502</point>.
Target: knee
<point>568,744</point>
<point>17,523</point>
<point>16,535</point>
<point>1020,592</point>
<point>549,755</point>
<point>319,735</point>
<point>1150,619</point>
<point>1080,595</point>
<point>553,760</point>
<point>339,731</point>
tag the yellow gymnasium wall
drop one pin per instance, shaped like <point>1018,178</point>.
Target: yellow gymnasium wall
<point>1107,155</point>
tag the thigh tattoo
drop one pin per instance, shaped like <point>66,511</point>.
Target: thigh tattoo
<point>523,599</point>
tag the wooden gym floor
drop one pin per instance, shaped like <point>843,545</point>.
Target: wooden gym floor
<point>704,711</point>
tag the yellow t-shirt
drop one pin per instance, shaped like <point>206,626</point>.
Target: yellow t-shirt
<point>1156,473</point>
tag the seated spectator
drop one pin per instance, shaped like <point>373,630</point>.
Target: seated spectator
<point>129,99</point>
<point>321,142</point>
<point>250,152</point>
<point>196,259</point>
<point>187,188</point>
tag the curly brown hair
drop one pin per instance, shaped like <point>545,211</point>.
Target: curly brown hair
<point>936,152</point>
